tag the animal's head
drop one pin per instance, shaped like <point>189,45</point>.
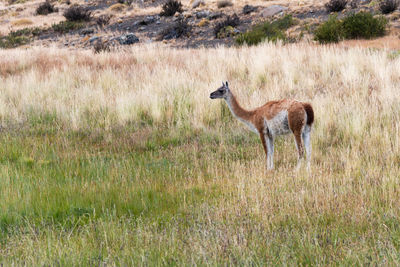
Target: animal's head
<point>221,92</point>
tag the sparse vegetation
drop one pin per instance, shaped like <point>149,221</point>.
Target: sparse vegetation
<point>229,21</point>
<point>171,7</point>
<point>21,22</point>
<point>224,3</point>
<point>118,7</point>
<point>179,29</point>
<point>271,31</point>
<point>360,25</point>
<point>336,5</point>
<point>103,20</point>
<point>67,26</point>
<point>77,13</point>
<point>19,37</point>
<point>101,46</point>
<point>388,6</point>
<point>45,8</point>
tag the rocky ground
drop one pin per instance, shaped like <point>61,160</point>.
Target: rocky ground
<point>140,22</point>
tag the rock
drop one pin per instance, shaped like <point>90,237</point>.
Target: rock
<point>247,9</point>
<point>94,38</point>
<point>202,14</point>
<point>149,20</point>
<point>127,39</point>
<point>203,22</point>
<point>213,16</point>
<point>198,3</point>
<point>272,10</point>
<point>86,31</point>
<point>142,28</point>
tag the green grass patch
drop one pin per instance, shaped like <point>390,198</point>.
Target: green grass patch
<point>271,31</point>
<point>67,26</point>
<point>19,37</point>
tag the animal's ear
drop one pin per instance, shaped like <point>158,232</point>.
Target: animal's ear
<point>226,83</point>
<point>223,84</point>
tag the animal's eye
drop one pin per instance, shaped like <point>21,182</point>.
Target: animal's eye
<point>220,90</point>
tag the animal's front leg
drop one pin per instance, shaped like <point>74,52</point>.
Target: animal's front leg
<point>264,143</point>
<point>270,146</point>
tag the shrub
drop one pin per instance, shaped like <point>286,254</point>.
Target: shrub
<point>103,20</point>
<point>171,7</point>
<point>224,3</point>
<point>18,38</point>
<point>330,31</point>
<point>100,46</point>
<point>77,13</point>
<point>360,25</point>
<point>21,22</point>
<point>388,6</point>
<point>336,5</point>
<point>364,25</point>
<point>45,8</point>
<point>67,26</point>
<point>271,31</point>
<point>117,7</point>
<point>177,30</point>
<point>232,21</point>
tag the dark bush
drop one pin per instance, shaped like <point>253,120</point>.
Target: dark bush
<point>177,30</point>
<point>45,8</point>
<point>232,21</point>
<point>77,13</point>
<point>364,25</point>
<point>103,20</point>
<point>336,5</point>
<point>330,31</point>
<point>101,46</point>
<point>360,25</point>
<point>271,31</point>
<point>171,7</point>
<point>388,6</point>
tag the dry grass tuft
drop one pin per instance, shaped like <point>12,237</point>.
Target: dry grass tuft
<point>22,22</point>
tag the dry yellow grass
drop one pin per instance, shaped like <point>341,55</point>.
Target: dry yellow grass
<point>21,22</point>
<point>117,7</point>
<point>163,175</point>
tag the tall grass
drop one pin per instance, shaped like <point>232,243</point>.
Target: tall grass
<point>122,158</point>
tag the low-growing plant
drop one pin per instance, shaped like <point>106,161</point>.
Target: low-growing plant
<point>19,37</point>
<point>364,25</point>
<point>271,31</point>
<point>180,28</point>
<point>77,13</point>
<point>101,46</point>
<point>171,7</point>
<point>336,5</point>
<point>224,3</point>
<point>67,26</point>
<point>330,31</point>
<point>45,8</point>
<point>388,6</point>
<point>103,20</point>
<point>359,25</point>
<point>231,21</point>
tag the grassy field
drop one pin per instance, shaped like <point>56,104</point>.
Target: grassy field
<point>122,158</point>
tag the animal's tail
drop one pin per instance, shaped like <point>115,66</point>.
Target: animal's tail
<point>310,113</point>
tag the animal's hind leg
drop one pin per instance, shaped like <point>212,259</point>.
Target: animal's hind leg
<point>306,135</point>
<point>300,149</point>
<point>297,120</point>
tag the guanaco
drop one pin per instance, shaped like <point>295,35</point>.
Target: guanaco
<point>272,119</point>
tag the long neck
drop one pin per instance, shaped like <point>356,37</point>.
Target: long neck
<point>237,110</point>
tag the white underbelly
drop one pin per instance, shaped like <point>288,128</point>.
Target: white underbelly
<point>278,125</point>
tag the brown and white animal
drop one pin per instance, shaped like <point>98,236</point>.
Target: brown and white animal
<point>272,119</point>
